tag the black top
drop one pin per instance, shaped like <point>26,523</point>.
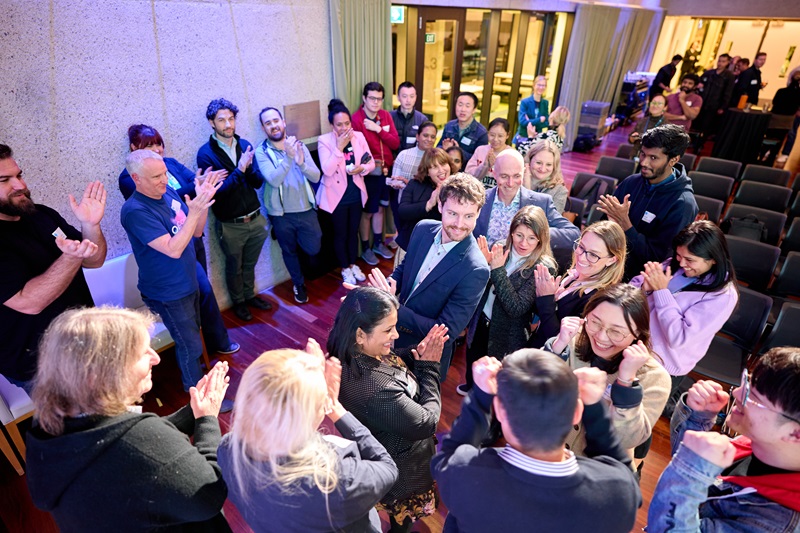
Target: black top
<point>29,249</point>
<point>749,83</point>
<point>786,100</point>
<point>237,197</point>
<point>664,75</point>
<point>551,312</point>
<point>717,89</point>
<point>412,209</point>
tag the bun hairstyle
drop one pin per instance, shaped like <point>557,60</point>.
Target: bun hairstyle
<point>335,107</point>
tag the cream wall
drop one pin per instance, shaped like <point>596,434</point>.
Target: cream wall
<point>77,73</point>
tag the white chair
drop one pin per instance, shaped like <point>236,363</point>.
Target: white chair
<point>15,406</point>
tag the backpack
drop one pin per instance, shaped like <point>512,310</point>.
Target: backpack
<point>592,190</point>
<point>584,143</point>
<point>747,227</point>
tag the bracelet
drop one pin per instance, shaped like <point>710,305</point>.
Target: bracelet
<point>626,381</point>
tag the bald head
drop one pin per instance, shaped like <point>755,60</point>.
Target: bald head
<point>509,162</point>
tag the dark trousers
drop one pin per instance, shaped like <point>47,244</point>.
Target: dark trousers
<point>182,319</point>
<point>214,331</point>
<point>241,244</point>
<point>787,148</point>
<point>293,230</point>
<point>346,219</point>
<point>479,346</point>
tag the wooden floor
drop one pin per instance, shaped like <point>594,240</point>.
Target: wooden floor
<point>288,326</point>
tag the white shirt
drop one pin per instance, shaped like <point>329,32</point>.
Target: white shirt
<point>436,253</point>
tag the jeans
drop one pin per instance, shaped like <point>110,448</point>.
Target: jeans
<point>214,331</point>
<point>241,244</point>
<point>293,230</point>
<point>182,319</point>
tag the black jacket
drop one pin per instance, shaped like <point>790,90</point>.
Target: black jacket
<point>412,209</point>
<point>130,472</point>
<point>237,197</point>
<point>749,83</point>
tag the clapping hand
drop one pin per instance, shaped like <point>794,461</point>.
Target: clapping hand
<point>379,281</point>
<point>206,398</point>
<point>93,204</point>
<point>448,143</point>
<point>246,159</point>
<point>655,277</point>
<point>616,211</point>
<point>430,348</point>
<point>78,249</point>
<point>546,283</point>
<point>707,396</point>
<point>313,348</point>
<point>484,373</point>
<point>483,246</point>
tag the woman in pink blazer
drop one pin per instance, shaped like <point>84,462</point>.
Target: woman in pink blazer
<point>345,159</point>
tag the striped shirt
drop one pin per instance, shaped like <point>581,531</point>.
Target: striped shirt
<point>567,467</point>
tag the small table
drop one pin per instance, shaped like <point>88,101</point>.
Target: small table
<point>740,135</point>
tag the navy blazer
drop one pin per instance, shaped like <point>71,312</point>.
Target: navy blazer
<point>184,176</point>
<point>562,232</point>
<point>448,295</point>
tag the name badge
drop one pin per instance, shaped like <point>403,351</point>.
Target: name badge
<point>466,141</point>
<point>59,233</point>
<point>386,128</point>
<point>176,205</point>
<point>648,216</point>
<point>754,82</point>
<point>411,140</point>
<point>415,127</point>
<point>689,104</point>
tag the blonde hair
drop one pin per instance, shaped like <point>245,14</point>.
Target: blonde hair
<point>84,361</point>
<point>614,238</point>
<point>535,219</point>
<point>556,178</point>
<point>278,407</point>
<point>558,118</point>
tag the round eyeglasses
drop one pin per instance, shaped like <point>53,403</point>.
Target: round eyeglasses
<point>594,326</point>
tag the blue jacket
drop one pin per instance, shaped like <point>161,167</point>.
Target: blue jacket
<point>237,197</point>
<point>562,232</point>
<point>529,111</point>
<point>475,135</point>
<point>657,214</point>
<point>184,176</point>
<point>682,501</point>
<point>448,295</point>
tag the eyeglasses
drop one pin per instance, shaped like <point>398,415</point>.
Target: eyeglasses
<point>594,326</point>
<point>745,386</point>
<point>590,256</point>
<point>657,104</point>
<point>375,99</point>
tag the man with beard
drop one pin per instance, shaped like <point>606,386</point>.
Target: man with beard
<point>750,483</point>
<point>41,258</point>
<point>654,205</point>
<point>287,167</point>
<point>684,105</point>
<point>240,228</point>
<point>442,278</point>
<point>716,88</point>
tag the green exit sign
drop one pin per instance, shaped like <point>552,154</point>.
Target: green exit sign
<point>430,38</point>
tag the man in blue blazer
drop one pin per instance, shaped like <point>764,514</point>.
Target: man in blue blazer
<point>509,196</point>
<point>444,274</point>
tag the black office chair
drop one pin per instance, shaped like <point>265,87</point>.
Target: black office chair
<point>712,185</point>
<point>763,195</point>
<point>577,206</point>
<point>794,209</point>
<point>754,262</point>
<point>581,178</point>
<point>786,284</point>
<point>688,160</point>
<point>730,348</point>
<point>785,331</point>
<point>616,167</point>
<point>773,221</point>
<point>625,151</point>
<point>710,206</point>
<point>723,167</point>
<point>762,174</point>
<point>791,242</point>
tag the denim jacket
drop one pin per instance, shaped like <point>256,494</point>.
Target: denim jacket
<point>690,496</point>
<point>475,135</point>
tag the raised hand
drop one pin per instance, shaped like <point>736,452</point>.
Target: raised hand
<point>633,358</point>
<point>546,283</point>
<point>290,147</point>
<point>655,277</point>
<point>592,383</point>
<point>430,348</point>
<point>448,143</point>
<point>531,129</point>
<point>570,326</point>
<point>713,447</point>
<point>707,396</point>
<point>343,139</point>
<point>313,348</point>
<point>498,256</point>
<point>93,204</point>
<point>379,281</point>
<point>300,156</point>
<point>490,158</point>
<point>206,398</point>
<point>246,159</point>
<point>433,201</point>
<point>616,211</point>
<point>484,373</point>
<point>483,246</point>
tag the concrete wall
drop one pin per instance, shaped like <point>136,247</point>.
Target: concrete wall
<point>77,73</point>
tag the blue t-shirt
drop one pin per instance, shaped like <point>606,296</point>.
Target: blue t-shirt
<point>145,219</point>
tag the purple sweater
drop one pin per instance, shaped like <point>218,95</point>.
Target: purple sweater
<point>683,324</point>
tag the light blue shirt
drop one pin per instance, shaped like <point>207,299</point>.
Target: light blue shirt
<point>229,150</point>
<point>435,255</point>
<point>500,218</point>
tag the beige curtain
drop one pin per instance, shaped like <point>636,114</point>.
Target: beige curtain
<point>361,48</point>
<point>598,59</point>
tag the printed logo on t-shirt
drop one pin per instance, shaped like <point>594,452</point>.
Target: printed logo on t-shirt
<point>180,217</point>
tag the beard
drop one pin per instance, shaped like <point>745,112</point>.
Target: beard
<point>450,231</point>
<point>18,204</point>
<point>276,136</point>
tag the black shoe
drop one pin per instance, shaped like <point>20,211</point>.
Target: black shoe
<point>258,303</point>
<point>233,348</point>
<point>241,311</point>
<point>227,406</point>
<point>300,294</point>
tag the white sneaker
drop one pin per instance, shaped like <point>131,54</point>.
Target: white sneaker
<point>782,158</point>
<point>357,273</point>
<point>348,277</point>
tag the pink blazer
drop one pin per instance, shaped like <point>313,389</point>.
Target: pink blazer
<point>334,175</point>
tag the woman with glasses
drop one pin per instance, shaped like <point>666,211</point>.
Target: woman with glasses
<point>653,118</point>
<point>598,261</point>
<point>481,164</point>
<point>691,296</point>
<point>543,173</point>
<point>533,111</point>
<point>501,324</point>
<point>614,336</point>
<point>394,393</point>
